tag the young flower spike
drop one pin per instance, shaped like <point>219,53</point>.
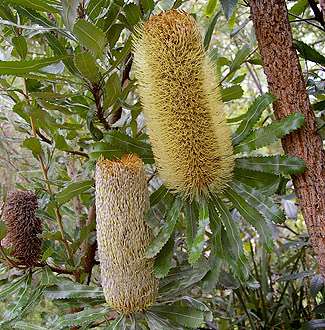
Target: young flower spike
<point>122,200</point>
<point>23,227</point>
<point>181,102</point>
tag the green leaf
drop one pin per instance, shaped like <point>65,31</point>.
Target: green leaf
<point>85,317</point>
<point>9,289</point>
<point>316,285</point>
<point>117,324</point>
<point>197,245</point>
<point>209,33</point>
<point>228,7</point>
<point>263,204</point>
<point>118,144</point>
<point>295,276</point>
<point>183,315</point>
<point>72,190</point>
<point>271,133</point>
<point>233,236</point>
<point>48,277</point>
<point>319,106</point>
<point>87,66</point>
<point>90,36</point>
<point>158,195</point>
<point>191,218</point>
<point>132,13</point>
<point>60,142</point>
<point>309,53</point>
<point>278,164</point>
<point>69,12</point>
<point>39,5</point>
<point>73,290</point>
<point>253,216</point>
<point>20,46</point>
<point>240,57</point>
<point>17,68</point>
<point>147,5</point>
<point>251,117</point>
<point>266,183</point>
<point>298,8</point>
<point>3,230</point>
<point>156,322</point>
<point>231,93</point>
<point>34,145</point>
<point>27,325</point>
<point>112,90</point>
<point>163,261</point>
<point>165,231</point>
<point>210,7</point>
<point>314,325</point>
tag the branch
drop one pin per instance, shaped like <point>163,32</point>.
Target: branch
<point>318,14</point>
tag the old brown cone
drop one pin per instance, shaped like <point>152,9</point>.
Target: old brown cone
<point>23,227</point>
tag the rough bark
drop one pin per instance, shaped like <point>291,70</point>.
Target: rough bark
<point>286,82</point>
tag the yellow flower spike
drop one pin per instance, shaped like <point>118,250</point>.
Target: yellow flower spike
<point>122,200</point>
<point>182,107</point>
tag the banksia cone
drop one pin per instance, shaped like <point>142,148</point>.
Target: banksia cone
<point>23,227</point>
<point>186,125</point>
<point>122,201</point>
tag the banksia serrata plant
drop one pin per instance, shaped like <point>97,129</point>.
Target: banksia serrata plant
<point>186,125</point>
<point>23,227</point>
<point>122,200</point>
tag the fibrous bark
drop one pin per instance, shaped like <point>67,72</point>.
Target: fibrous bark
<point>286,83</point>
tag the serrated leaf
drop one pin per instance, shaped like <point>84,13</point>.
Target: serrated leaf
<point>252,116</point>
<point>295,276</point>
<point>263,204</point>
<point>231,93</point>
<point>20,46</point>
<point>71,291</point>
<point>266,135</point>
<point>158,195</point>
<point>11,288</point>
<point>240,56</point>
<point>87,316</point>
<point>163,261</point>
<point>228,7</point>
<point>309,53</point>
<point>34,145</point>
<point>18,68</point>
<point>316,284</point>
<point>265,183</point>
<point>27,325</point>
<point>72,190</point>
<point>165,231</point>
<point>182,315</point>
<point>278,164</point>
<point>191,214</point>
<point>197,245</point>
<point>253,216</point>
<point>209,33</point>
<point>181,278</point>
<point>118,144</point>
<point>233,236</point>
<point>156,322</point>
<point>112,90</point>
<point>87,66</point>
<point>39,5</point>
<point>90,36</point>
<point>69,12</point>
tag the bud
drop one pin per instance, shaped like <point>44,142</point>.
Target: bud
<point>23,227</point>
<point>181,102</point>
<point>122,200</point>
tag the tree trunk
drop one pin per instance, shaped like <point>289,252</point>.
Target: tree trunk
<point>286,83</point>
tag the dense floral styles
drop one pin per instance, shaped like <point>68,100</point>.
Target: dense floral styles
<point>122,200</point>
<point>186,125</point>
<point>23,227</point>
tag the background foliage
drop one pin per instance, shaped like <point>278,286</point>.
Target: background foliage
<point>68,96</point>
